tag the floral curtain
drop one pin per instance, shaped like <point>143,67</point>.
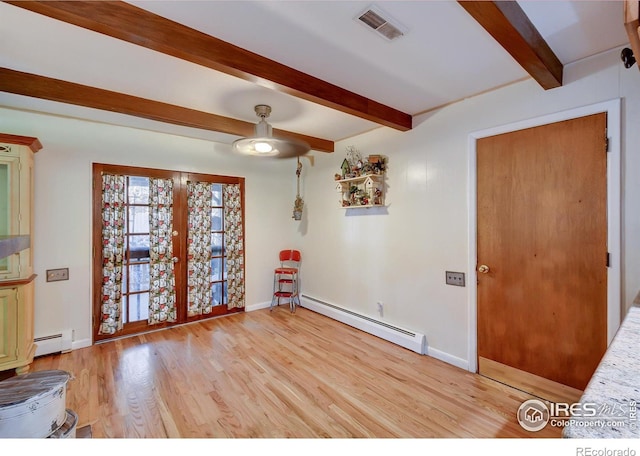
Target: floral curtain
<point>199,248</point>
<point>234,243</point>
<point>113,225</point>
<point>162,295</point>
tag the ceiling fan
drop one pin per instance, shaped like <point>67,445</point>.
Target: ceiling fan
<point>263,144</point>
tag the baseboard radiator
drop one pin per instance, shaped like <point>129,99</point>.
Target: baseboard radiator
<point>400,336</point>
<point>55,343</point>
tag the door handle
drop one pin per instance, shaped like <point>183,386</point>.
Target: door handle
<point>483,269</point>
<point>175,259</point>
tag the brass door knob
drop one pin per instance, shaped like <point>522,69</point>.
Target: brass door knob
<point>483,269</point>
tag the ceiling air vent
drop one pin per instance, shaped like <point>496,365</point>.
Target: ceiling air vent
<point>381,23</point>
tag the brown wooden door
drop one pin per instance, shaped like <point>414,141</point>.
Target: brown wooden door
<point>542,232</point>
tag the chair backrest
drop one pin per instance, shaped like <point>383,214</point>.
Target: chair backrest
<point>290,256</point>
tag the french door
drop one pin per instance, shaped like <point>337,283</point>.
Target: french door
<point>168,248</point>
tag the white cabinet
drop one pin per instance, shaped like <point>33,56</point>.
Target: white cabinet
<point>16,254</point>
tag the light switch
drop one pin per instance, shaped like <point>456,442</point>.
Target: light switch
<point>54,275</point>
<point>454,278</point>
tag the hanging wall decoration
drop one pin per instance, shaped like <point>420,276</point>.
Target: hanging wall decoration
<point>299,203</point>
<point>361,180</point>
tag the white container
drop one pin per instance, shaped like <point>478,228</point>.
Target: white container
<point>68,428</point>
<point>33,405</point>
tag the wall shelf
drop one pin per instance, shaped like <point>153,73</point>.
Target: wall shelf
<point>361,192</point>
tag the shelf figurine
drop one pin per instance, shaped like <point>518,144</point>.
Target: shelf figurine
<point>346,168</point>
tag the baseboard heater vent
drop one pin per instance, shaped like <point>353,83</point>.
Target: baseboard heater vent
<point>55,343</point>
<point>403,337</point>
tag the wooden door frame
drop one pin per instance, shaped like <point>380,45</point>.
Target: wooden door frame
<point>614,285</point>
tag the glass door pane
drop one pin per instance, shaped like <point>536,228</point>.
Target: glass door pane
<point>218,257</point>
<point>5,209</point>
<point>135,294</point>
<point>5,195</point>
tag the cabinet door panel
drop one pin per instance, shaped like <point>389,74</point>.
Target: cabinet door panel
<point>8,324</point>
<point>9,210</point>
<point>16,190</point>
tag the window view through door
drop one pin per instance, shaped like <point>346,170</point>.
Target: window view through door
<point>135,281</point>
<point>168,241</point>
<point>218,259</point>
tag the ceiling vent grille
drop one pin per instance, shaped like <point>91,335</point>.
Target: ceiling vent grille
<point>380,22</point>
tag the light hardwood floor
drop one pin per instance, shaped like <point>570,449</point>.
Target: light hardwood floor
<point>274,375</point>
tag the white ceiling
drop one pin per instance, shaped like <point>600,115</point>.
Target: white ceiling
<point>444,56</point>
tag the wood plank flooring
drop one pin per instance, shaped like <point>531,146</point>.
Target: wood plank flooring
<point>275,374</point>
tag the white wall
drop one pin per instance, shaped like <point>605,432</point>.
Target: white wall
<point>399,255</point>
<point>396,255</point>
<point>63,173</point>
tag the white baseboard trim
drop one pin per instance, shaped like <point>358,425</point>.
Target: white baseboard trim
<point>258,306</point>
<point>447,358</point>
<point>83,343</point>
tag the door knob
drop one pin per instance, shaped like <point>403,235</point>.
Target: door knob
<point>175,259</point>
<point>175,233</point>
<point>483,269</point>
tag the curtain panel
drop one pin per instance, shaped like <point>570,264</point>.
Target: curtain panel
<point>234,238</point>
<point>199,248</point>
<point>162,293</point>
<point>113,221</point>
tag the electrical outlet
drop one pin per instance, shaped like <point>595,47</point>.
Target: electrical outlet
<point>54,275</point>
<point>455,278</point>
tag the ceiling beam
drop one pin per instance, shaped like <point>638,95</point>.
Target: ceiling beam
<point>632,26</point>
<point>138,26</point>
<point>46,88</point>
<point>510,26</point>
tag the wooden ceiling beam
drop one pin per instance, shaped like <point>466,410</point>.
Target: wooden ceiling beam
<point>632,26</point>
<point>32,85</point>
<point>135,25</point>
<point>510,26</point>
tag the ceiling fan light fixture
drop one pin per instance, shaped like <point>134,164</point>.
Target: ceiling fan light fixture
<point>263,144</point>
<point>263,147</point>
